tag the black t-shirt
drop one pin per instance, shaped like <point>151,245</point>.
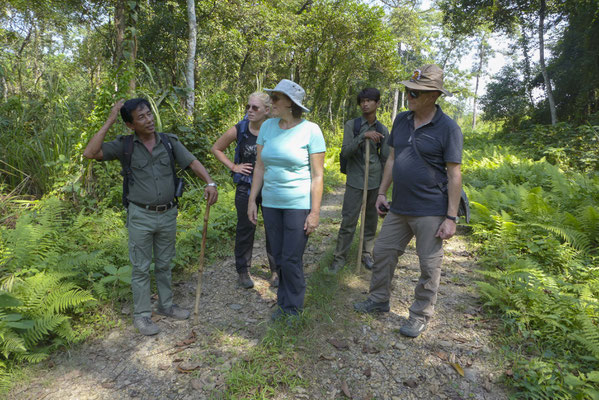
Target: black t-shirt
<point>416,190</point>
<point>247,151</point>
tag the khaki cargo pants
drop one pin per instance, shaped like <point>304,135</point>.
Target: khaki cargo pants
<point>396,233</point>
<point>152,236</point>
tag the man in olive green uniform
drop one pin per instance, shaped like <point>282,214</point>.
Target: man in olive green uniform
<point>353,150</point>
<point>152,210</point>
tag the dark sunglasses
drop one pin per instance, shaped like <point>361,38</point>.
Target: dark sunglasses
<point>414,93</point>
<point>253,107</point>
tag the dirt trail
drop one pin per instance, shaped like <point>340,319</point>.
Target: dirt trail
<point>373,361</point>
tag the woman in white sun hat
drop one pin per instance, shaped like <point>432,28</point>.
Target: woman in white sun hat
<point>289,172</point>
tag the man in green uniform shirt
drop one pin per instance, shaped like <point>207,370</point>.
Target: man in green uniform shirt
<point>152,210</point>
<point>353,149</point>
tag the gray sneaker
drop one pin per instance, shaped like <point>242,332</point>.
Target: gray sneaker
<point>145,326</point>
<point>335,267</point>
<point>245,281</point>
<point>274,280</point>
<point>369,306</point>
<point>414,327</point>
<point>368,261</point>
<point>175,312</point>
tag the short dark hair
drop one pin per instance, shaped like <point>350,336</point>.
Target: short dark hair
<point>131,105</point>
<point>296,110</point>
<point>369,93</point>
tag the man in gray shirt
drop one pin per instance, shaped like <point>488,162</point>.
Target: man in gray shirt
<point>424,164</point>
<point>357,133</point>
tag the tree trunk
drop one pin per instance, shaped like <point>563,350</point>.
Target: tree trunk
<point>527,73</point>
<point>548,90</point>
<point>481,54</point>
<point>395,100</point>
<point>119,37</point>
<point>191,55</point>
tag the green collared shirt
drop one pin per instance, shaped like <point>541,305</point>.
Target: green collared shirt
<point>153,181</point>
<point>353,149</point>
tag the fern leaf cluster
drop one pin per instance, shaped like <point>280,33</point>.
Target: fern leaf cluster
<point>539,232</point>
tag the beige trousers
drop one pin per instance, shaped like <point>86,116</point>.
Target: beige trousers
<point>396,233</point>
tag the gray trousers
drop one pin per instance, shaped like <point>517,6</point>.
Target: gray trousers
<point>396,233</point>
<point>350,213</point>
<point>152,235</point>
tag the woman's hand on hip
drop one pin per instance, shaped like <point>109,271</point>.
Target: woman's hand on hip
<point>243,168</point>
<point>253,212</point>
<point>311,222</point>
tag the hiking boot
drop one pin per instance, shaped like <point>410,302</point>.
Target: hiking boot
<point>274,280</point>
<point>369,306</point>
<point>175,312</point>
<point>145,326</point>
<point>245,281</point>
<point>414,327</point>
<point>335,266</point>
<point>368,261</point>
<point>277,314</point>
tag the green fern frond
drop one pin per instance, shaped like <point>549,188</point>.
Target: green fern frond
<point>576,239</point>
<point>589,334</point>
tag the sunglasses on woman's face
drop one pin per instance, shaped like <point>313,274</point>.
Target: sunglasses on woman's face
<point>414,93</point>
<point>253,107</point>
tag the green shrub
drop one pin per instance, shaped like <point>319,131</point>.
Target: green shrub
<point>539,232</point>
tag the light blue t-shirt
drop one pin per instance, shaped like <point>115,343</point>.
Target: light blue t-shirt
<point>286,158</point>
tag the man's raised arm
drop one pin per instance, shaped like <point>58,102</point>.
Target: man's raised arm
<point>93,150</point>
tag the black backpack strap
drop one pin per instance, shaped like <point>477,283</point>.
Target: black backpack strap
<point>357,126</point>
<point>126,167</point>
<point>169,149</point>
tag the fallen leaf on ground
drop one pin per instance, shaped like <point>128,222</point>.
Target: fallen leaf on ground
<point>411,383</point>
<point>163,367</point>
<point>176,360</point>
<point>338,344</point>
<point>370,349</point>
<point>509,372</point>
<point>345,389</point>
<point>442,355</point>
<point>107,385</point>
<point>458,368</point>
<point>186,368</point>
<point>367,372</point>
<point>190,339</point>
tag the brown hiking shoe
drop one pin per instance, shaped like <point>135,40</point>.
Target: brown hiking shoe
<point>245,281</point>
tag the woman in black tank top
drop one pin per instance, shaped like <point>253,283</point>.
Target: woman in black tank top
<point>245,134</point>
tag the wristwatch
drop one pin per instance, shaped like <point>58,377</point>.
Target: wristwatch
<point>454,219</point>
<point>213,184</point>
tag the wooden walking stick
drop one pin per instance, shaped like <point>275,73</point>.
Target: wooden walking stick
<point>364,197</point>
<point>201,267</point>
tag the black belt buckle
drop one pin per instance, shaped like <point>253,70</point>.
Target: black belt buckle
<point>162,207</point>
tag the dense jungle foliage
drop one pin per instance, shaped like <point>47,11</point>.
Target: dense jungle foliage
<point>534,185</point>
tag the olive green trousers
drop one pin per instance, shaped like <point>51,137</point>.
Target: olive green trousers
<point>152,237</point>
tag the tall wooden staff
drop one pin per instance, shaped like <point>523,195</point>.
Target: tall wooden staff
<point>364,197</point>
<point>201,267</point>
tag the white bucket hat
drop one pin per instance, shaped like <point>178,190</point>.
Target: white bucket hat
<point>292,90</point>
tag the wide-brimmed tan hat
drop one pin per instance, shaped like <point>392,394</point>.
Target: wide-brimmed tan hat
<point>428,77</point>
<point>294,91</point>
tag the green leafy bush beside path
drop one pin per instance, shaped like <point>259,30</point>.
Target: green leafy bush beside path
<point>538,229</point>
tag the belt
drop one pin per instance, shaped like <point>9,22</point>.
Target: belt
<point>159,207</point>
